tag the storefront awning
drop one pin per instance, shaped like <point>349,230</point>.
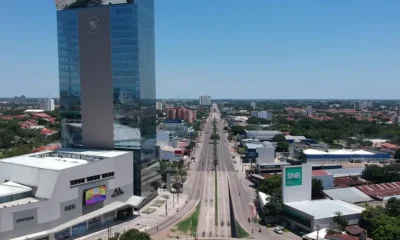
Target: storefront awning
<point>134,201</point>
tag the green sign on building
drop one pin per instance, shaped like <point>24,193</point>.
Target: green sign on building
<point>293,176</point>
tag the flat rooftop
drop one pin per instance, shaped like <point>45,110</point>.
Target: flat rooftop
<point>62,158</point>
<point>325,208</point>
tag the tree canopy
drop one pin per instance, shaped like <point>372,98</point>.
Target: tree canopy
<point>134,234</point>
<point>377,174</point>
<point>317,189</point>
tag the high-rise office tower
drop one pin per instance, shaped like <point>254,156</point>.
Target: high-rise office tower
<point>107,80</point>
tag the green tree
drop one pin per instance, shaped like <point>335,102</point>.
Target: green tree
<point>340,220</point>
<point>317,189</point>
<point>367,216</point>
<point>279,138</point>
<point>397,154</point>
<point>271,185</point>
<point>273,207</point>
<point>283,146</point>
<point>134,234</point>
<point>302,156</point>
<point>393,207</point>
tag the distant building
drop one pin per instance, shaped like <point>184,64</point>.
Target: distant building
<point>345,155</point>
<point>261,152</point>
<point>49,105</point>
<point>309,111</point>
<point>360,105</point>
<point>262,114</point>
<point>159,105</point>
<point>181,114</point>
<point>205,100</point>
<point>253,105</point>
<point>170,153</point>
<point>262,135</point>
<point>178,128</point>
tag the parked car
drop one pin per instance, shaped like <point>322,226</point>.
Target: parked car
<point>278,230</point>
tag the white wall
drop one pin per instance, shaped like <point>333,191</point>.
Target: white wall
<point>265,155</point>
<point>169,155</point>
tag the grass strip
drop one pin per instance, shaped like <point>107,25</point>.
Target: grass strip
<point>216,198</point>
<point>241,232</point>
<point>190,223</point>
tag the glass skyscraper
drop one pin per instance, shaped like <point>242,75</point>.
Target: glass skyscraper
<point>107,80</point>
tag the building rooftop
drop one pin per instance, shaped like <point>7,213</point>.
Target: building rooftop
<point>62,158</point>
<point>382,191</point>
<point>11,188</point>
<point>325,208</point>
<point>350,195</point>
<point>320,173</point>
<point>345,172</point>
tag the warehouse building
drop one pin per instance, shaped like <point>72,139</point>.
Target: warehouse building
<point>345,155</point>
<point>350,195</point>
<point>64,193</point>
<point>262,135</point>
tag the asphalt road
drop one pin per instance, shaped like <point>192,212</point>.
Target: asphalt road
<point>193,188</point>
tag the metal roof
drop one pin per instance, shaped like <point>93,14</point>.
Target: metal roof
<point>351,195</point>
<point>344,172</point>
<point>320,209</point>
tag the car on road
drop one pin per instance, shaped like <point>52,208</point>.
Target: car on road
<point>278,230</point>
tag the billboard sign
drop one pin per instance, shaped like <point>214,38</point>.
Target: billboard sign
<point>95,195</point>
<point>293,176</point>
<point>173,121</point>
<point>69,4</point>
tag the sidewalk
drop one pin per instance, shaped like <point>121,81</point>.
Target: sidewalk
<point>146,220</point>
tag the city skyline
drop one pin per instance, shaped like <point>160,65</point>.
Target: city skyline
<point>319,51</point>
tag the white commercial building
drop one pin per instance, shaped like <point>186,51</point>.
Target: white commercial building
<point>262,114</point>
<point>179,129</point>
<point>65,193</point>
<point>205,100</point>
<point>164,136</point>
<point>262,152</point>
<point>49,104</point>
<point>170,153</point>
<point>262,135</point>
<point>159,105</point>
<point>300,212</point>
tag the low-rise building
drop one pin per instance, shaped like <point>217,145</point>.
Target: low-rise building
<point>262,135</point>
<point>171,153</point>
<point>64,193</point>
<point>261,152</point>
<point>308,215</point>
<point>178,128</point>
<point>325,177</point>
<point>345,155</point>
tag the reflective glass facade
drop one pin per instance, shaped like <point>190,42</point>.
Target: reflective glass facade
<point>131,30</point>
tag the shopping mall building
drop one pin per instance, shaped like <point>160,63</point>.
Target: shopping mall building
<point>65,193</point>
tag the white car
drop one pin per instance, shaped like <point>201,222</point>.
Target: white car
<point>278,230</point>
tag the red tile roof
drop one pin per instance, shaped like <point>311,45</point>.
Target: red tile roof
<point>319,173</point>
<point>389,145</point>
<point>41,115</point>
<point>47,131</point>
<point>46,148</point>
<point>381,190</point>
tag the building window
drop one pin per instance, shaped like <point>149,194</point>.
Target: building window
<point>107,175</point>
<point>93,178</point>
<point>77,181</point>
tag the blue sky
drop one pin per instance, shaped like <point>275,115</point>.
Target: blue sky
<point>232,49</point>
